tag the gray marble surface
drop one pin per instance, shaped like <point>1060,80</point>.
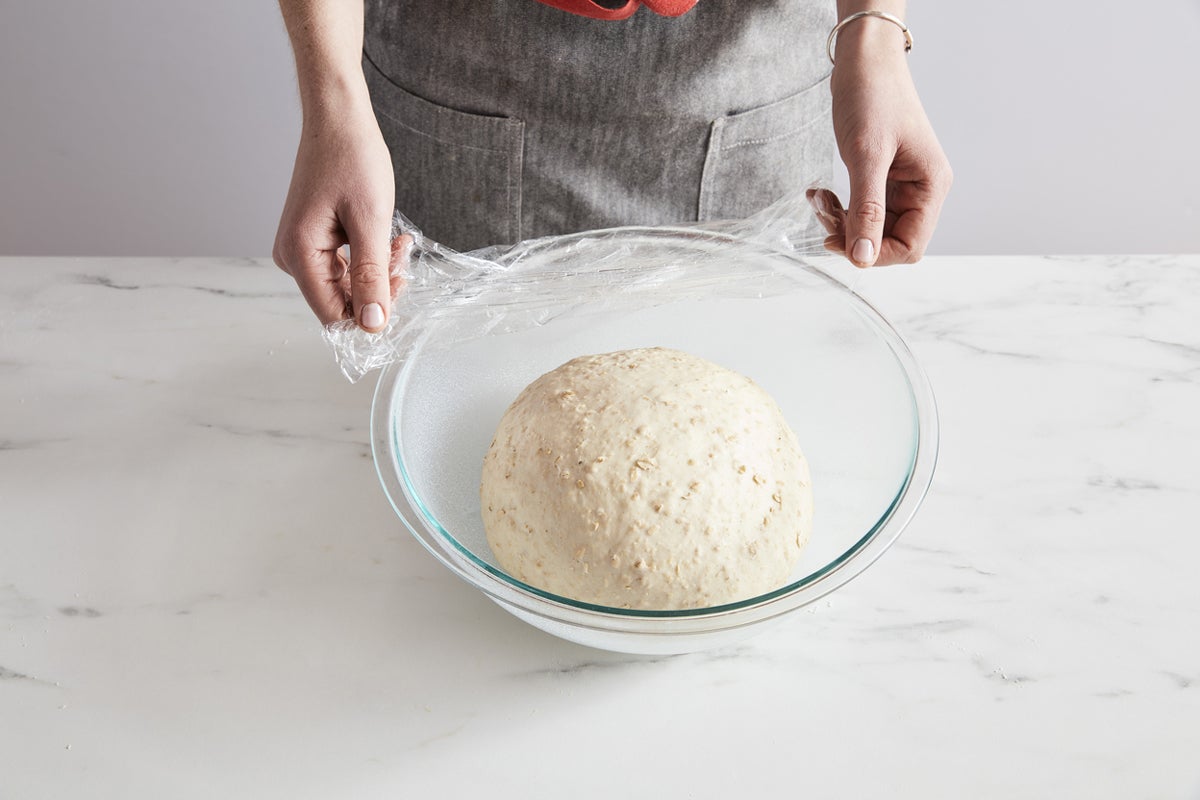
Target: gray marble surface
<point>204,592</point>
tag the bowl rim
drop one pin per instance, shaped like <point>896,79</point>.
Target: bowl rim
<point>506,590</point>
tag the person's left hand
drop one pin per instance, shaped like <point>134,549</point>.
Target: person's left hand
<point>899,175</point>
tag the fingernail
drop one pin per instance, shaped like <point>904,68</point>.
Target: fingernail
<point>864,251</point>
<point>822,204</point>
<point>372,315</point>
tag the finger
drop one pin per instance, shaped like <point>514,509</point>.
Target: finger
<point>370,287</point>
<point>344,283</point>
<point>909,233</point>
<point>865,217</point>
<point>319,277</point>
<point>907,239</point>
<point>836,244</point>
<point>828,210</point>
<point>402,246</point>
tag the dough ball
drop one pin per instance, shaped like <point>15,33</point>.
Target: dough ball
<point>648,479</point>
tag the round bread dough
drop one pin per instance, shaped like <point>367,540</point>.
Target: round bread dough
<point>648,479</point>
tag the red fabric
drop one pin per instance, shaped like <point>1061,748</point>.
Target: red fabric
<point>670,8</point>
<point>586,8</point>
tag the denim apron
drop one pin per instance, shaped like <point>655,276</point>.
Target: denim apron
<point>510,119</point>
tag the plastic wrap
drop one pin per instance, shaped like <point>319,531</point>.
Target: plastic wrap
<point>462,296</point>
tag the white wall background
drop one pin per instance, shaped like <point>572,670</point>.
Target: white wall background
<point>162,127</point>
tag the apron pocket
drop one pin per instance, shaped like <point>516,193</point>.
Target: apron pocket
<point>458,174</point>
<point>757,156</point>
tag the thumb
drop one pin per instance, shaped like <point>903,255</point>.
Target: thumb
<point>864,219</point>
<point>370,287</point>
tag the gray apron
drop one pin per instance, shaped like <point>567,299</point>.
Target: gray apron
<point>509,119</point>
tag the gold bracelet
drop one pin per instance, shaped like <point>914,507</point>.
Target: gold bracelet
<point>908,40</point>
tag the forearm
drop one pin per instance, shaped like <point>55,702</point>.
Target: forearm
<point>327,37</point>
<point>847,7</point>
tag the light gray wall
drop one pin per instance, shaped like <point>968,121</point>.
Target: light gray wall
<point>143,127</point>
<point>159,127</point>
<point>1073,127</point>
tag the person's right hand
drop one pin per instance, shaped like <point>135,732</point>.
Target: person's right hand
<point>342,192</point>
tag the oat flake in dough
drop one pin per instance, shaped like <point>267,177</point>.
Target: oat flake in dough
<point>647,479</point>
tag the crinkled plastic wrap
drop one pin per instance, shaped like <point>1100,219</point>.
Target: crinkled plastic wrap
<point>463,296</point>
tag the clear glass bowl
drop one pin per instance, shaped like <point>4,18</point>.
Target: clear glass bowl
<point>859,403</point>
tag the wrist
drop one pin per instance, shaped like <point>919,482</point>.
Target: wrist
<point>331,92</point>
<point>870,40</point>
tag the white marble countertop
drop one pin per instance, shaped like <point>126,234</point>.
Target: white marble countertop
<point>204,592</point>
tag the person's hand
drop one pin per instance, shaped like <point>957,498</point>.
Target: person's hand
<point>342,192</point>
<point>899,175</point>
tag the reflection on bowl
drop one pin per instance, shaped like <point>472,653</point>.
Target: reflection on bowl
<point>850,388</point>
